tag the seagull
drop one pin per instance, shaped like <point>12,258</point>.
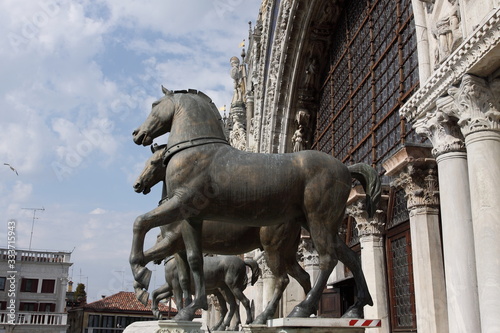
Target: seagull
<point>10,166</point>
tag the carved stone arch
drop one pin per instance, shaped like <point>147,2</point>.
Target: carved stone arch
<point>305,61</point>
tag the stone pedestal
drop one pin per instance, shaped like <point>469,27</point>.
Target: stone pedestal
<point>164,326</point>
<point>313,325</point>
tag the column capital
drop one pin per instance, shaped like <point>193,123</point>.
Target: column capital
<point>420,183</point>
<point>308,255</point>
<point>477,104</point>
<point>367,226</point>
<point>441,129</point>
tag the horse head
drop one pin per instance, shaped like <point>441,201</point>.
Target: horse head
<point>153,172</point>
<point>187,114</point>
<point>159,120</point>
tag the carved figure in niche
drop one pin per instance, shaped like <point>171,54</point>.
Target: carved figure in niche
<point>447,32</point>
<point>237,76</point>
<point>299,138</point>
<point>311,72</point>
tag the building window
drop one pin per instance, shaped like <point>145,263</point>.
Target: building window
<point>373,70</point>
<point>94,320</point>
<point>29,285</point>
<point>108,321</point>
<point>47,307</point>
<point>48,286</point>
<point>28,307</point>
<point>3,305</point>
<point>2,283</point>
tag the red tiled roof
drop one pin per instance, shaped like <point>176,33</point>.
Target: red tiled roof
<point>124,301</point>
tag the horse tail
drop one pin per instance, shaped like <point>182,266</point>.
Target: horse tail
<point>371,183</point>
<point>255,270</point>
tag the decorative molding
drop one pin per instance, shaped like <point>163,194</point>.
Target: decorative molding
<point>484,39</point>
<point>420,184</point>
<point>442,131</point>
<point>477,104</point>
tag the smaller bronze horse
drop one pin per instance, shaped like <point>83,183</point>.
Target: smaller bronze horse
<point>207,179</point>
<point>223,274</point>
<point>279,242</point>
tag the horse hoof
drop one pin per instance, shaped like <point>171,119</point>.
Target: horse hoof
<point>144,277</point>
<point>157,314</point>
<point>142,296</point>
<point>353,312</point>
<point>260,320</point>
<point>300,312</point>
<point>184,315</point>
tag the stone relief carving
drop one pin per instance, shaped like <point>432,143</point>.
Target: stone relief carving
<point>447,31</point>
<point>440,129</point>
<point>477,104</point>
<point>471,51</point>
<point>429,5</point>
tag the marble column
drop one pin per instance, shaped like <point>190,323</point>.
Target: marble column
<point>417,176</point>
<point>477,110</point>
<point>373,263</point>
<point>456,217</point>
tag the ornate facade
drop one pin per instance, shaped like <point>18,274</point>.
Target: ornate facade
<point>411,87</point>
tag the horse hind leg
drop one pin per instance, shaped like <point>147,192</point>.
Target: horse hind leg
<point>349,258</point>
<point>323,228</point>
<point>157,295</point>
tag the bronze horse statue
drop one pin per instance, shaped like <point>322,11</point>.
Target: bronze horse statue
<point>207,179</point>
<point>226,278</point>
<point>279,242</point>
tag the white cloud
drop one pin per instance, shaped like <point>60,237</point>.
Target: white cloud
<point>98,211</point>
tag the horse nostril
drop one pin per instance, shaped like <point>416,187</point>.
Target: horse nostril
<point>137,185</point>
<point>135,132</point>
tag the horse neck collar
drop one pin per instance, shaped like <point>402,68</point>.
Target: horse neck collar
<point>177,147</point>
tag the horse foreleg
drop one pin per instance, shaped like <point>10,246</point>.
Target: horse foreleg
<point>164,214</point>
<point>281,281</point>
<point>184,276</point>
<point>191,233</point>
<point>349,258</point>
<point>157,295</point>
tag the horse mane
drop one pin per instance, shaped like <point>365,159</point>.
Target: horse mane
<point>204,97</point>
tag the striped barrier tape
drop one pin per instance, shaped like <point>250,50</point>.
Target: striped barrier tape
<point>365,322</point>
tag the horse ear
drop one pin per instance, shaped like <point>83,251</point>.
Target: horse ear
<point>166,91</point>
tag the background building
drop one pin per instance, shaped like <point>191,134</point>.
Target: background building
<point>411,87</point>
<point>33,292</point>
<point>113,314</point>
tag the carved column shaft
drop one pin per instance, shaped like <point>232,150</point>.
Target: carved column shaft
<point>419,180</point>
<point>477,105</point>
<point>373,262</point>
<point>456,217</point>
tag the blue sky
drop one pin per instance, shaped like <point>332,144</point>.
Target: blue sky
<point>77,77</point>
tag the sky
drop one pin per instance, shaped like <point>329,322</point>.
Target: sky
<point>76,78</point>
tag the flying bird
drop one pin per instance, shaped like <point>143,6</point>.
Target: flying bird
<point>10,166</point>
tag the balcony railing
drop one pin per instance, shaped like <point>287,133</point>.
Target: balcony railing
<point>36,256</point>
<point>33,318</point>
